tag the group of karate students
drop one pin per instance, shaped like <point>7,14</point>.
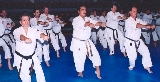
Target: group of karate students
<point>31,40</point>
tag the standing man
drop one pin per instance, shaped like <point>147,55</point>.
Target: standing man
<point>94,30</point>
<point>48,29</point>
<point>6,49</point>
<point>25,58</point>
<point>8,24</point>
<point>133,43</point>
<point>81,45</point>
<point>42,48</point>
<point>113,33</point>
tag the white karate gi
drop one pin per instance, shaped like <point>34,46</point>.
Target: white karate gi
<point>8,35</point>
<point>158,27</point>
<point>93,31</point>
<point>40,45</point>
<point>58,34</point>
<point>3,43</point>
<point>102,34</point>
<point>49,32</point>
<point>146,35</point>
<point>113,33</point>
<point>132,39</point>
<point>23,65</point>
<point>121,25</point>
<point>81,45</point>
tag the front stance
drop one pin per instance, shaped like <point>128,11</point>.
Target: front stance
<point>133,43</point>
<point>25,58</point>
<point>81,45</point>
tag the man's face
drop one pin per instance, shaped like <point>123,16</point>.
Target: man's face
<point>114,8</point>
<point>133,12</point>
<point>37,13</point>
<point>82,12</point>
<point>148,12</point>
<point>25,21</point>
<point>4,13</point>
<point>94,13</point>
<point>46,10</point>
<point>104,13</point>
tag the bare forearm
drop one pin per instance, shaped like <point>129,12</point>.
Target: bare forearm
<point>98,24</point>
<point>42,35</point>
<point>22,38</point>
<point>142,26</point>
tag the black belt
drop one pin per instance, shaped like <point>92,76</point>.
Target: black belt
<point>9,37</point>
<point>25,57</point>
<point>1,36</point>
<point>145,30</point>
<point>6,42</point>
<point>56,34</point>
<point>47,31</point>
<point>86,45</point>
<point>123,26</point>
<point>93,30</point>
<point>114,30</point>
<point>137,46</point>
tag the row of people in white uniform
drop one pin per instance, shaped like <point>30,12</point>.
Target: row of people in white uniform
<point>32,43</point>
<point>81,45</point>
<point>49,24</point>
<point>151,19</point>
<point>117,29</point>
<point>112,32</point>
<point>130,42</point>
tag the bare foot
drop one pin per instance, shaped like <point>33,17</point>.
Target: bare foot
<point>155,45</point>
<point>10,67</point>
<point>58,54</point>
<point>80,74</point>
<point>64,49</point>
<point>47,63</point>
<point>130,68</point>
<point>98,74</point>
<point>110,54</point>
<point>124,53</point>
<point>149,70</point>
<point>0,65</point>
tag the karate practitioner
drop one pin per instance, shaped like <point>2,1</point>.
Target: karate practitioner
<point>81,45</point>
<point>6,49</point>
<point>158,24</point>
<point>42,48</point>
<point>146,32</point>
<point>57,24</point>
<point>25,58</point>
<point>8,23</point>
<point>133,43</point>
<point>121,23</point>
<point>94,30</point>
<point>48,29</point>
<point>113,33</point>
<point>101,32</point>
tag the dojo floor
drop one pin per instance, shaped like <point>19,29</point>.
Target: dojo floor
<point>114,68</point>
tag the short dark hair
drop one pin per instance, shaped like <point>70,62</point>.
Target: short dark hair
<point>111,6</point>
<point>45,7</point>
<point>34,10</point>
<point>94,10</point>
<point>23,14</point>
<point>3,10</point>
<point>130,8</point>
<point>79,7</point>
